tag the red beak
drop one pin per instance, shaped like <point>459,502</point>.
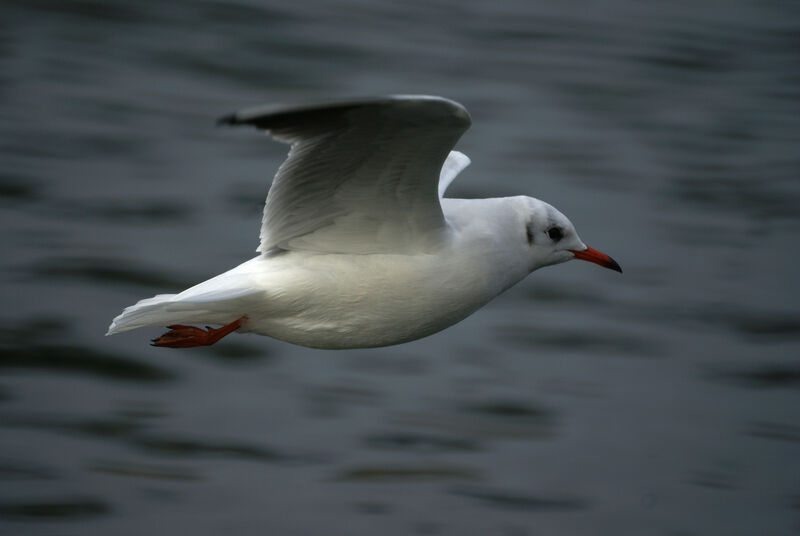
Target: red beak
<point>592,255</point>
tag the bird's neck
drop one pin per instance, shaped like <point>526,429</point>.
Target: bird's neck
<point>487,234</point>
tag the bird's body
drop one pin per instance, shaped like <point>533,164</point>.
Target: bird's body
<point>357,249</point>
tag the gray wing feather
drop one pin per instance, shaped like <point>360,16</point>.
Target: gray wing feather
<point>361,176</point>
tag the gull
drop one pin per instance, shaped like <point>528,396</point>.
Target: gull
<point>358,245</point>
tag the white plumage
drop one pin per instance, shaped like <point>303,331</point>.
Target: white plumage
<point>358,245</point>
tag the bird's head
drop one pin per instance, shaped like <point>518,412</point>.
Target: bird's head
<point>551,238</point>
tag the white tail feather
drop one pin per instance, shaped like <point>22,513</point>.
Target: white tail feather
<point>147,312</point>
<point>216,301</point>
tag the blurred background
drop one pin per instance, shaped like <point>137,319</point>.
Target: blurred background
<point>665,400</point>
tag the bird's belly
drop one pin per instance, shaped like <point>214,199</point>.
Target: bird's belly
<point>350,332</point>
<point>377,306</point>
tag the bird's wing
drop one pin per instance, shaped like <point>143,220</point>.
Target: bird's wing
<point>455,164</point>
<point>361,175</point>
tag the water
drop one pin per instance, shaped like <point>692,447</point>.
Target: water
<point>663,401</point>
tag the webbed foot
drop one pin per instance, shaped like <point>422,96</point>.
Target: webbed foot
<point>181,336</point>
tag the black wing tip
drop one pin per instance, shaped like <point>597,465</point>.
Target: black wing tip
<point>259,114</point>
<point>229,119</point>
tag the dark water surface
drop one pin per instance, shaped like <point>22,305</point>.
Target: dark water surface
<point>663,401</point>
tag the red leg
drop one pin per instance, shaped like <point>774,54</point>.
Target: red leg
<point>180,336</point>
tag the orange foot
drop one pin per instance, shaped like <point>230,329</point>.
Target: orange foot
<point>180,336</point>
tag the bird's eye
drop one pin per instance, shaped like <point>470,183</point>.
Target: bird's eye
<point>555,233</point>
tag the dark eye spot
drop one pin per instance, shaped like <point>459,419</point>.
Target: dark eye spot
<point>555,233</point>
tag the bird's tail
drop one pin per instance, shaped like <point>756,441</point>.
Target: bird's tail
<point>205,303</point>
<point>219,300</point>
<point>153,311</point>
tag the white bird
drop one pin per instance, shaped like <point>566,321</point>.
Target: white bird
<point>359,248</point>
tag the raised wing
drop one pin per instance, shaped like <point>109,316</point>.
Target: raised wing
<point>455,164</point>
<point>361,176</point>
